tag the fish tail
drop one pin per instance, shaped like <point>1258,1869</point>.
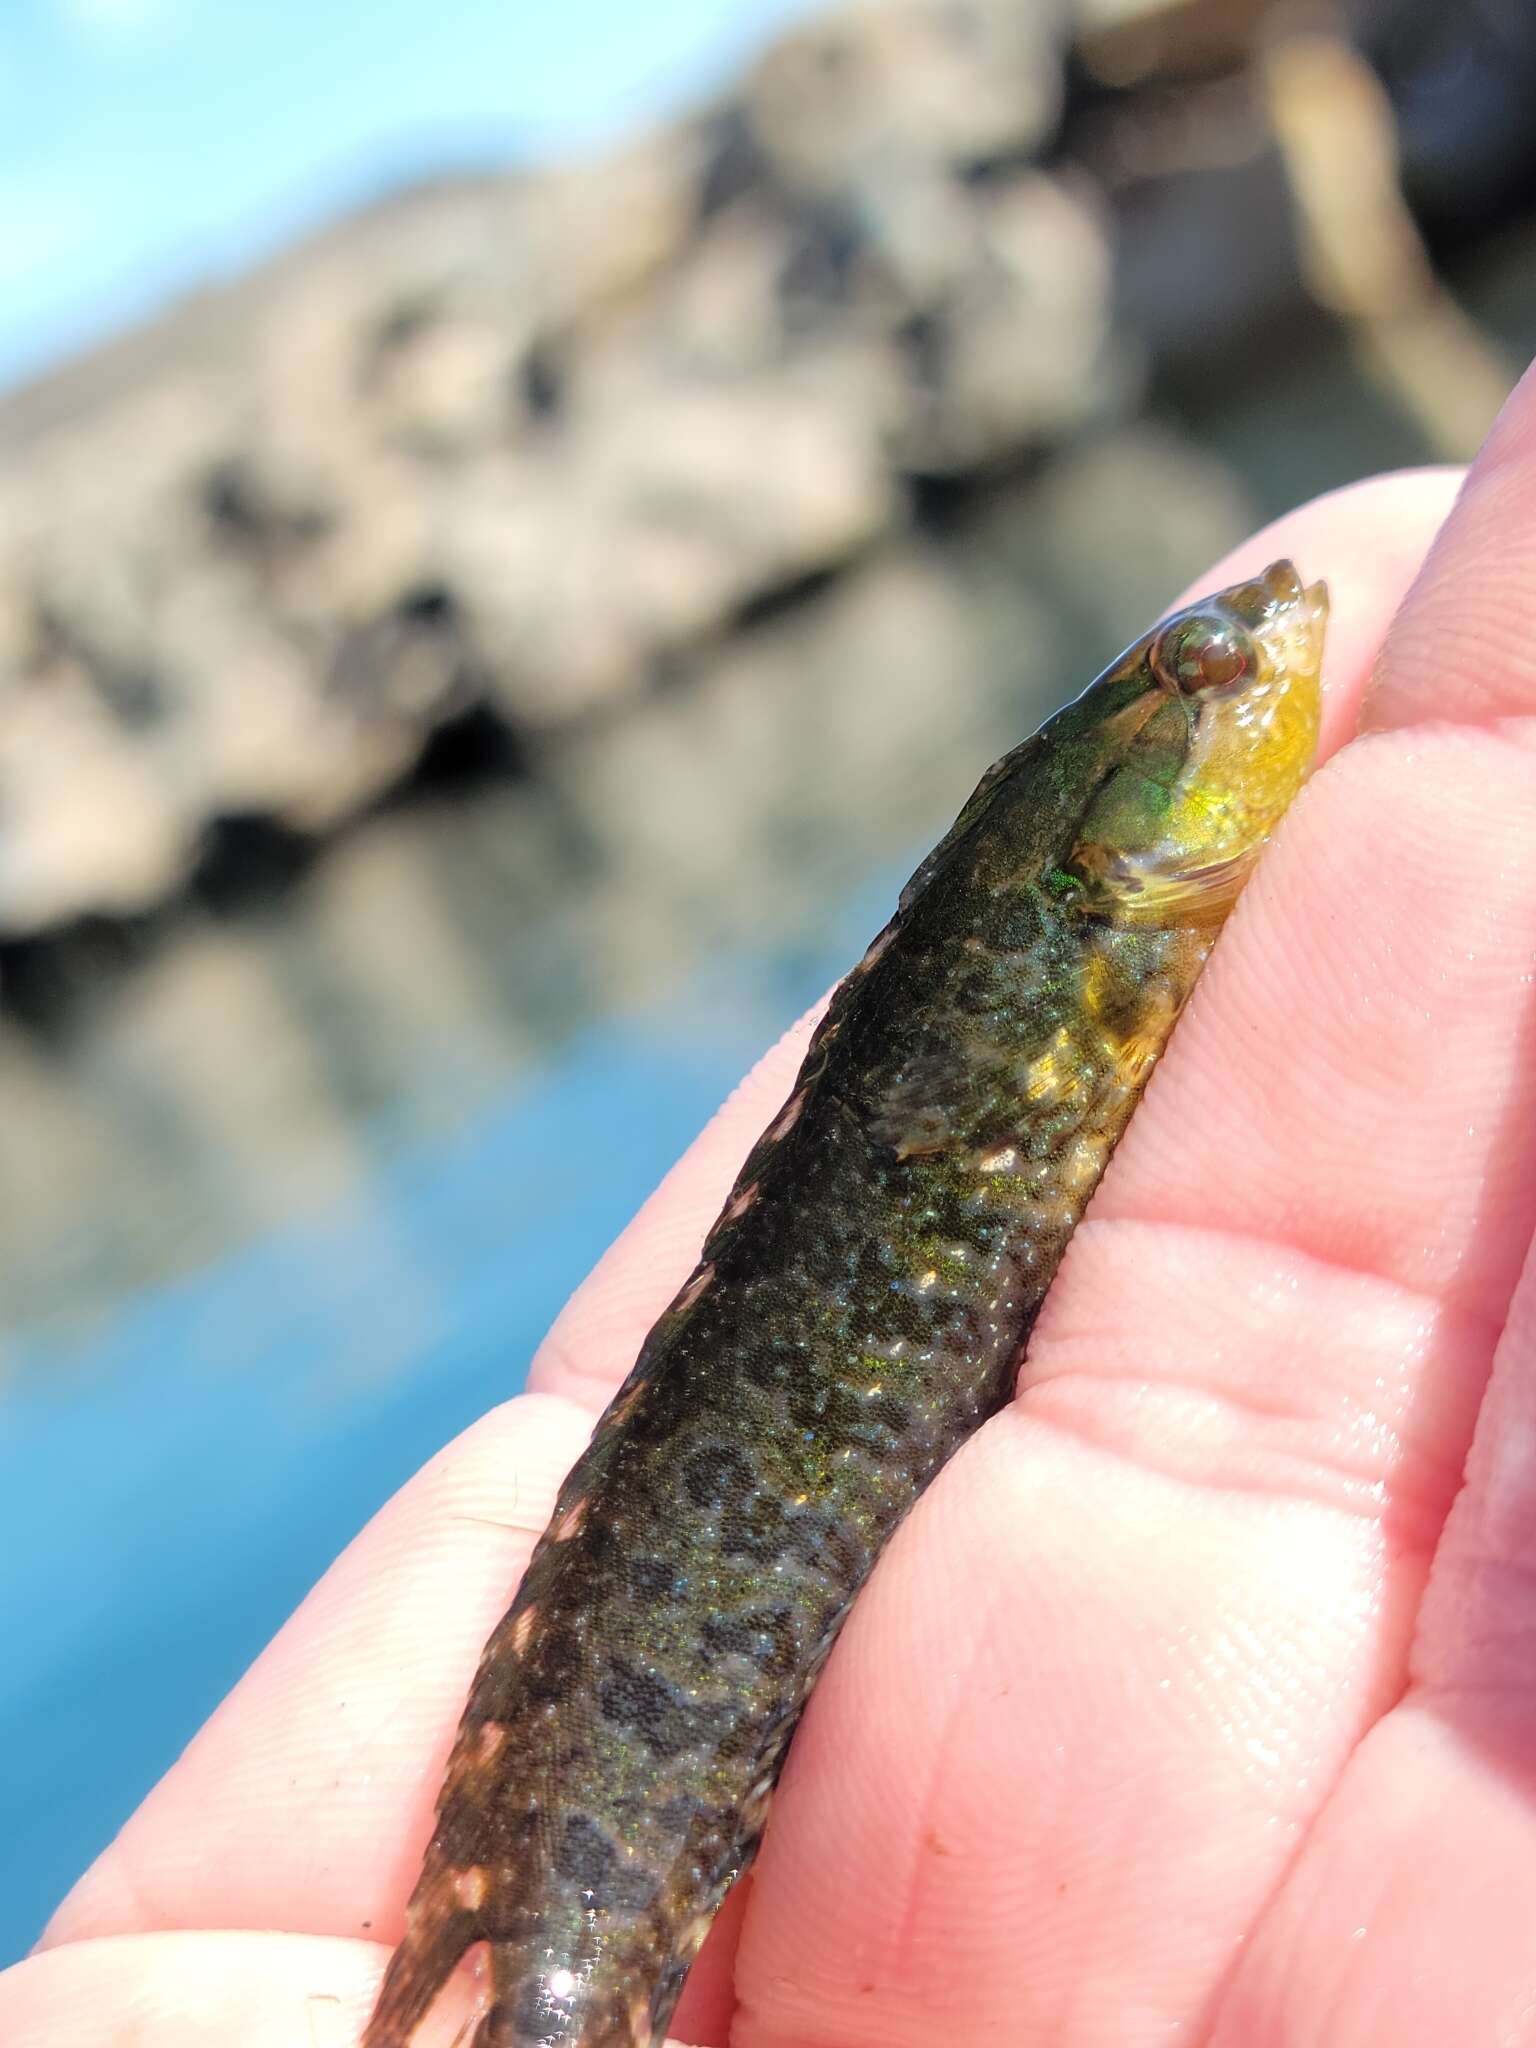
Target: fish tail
<point>439,1932</point>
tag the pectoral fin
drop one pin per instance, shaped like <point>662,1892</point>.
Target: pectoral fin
<point>1146,892</point>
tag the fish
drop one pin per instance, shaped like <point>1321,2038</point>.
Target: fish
<point>860,1307</point>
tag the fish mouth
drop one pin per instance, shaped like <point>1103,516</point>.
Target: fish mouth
<point>1295,629</point>
<point>1288,617</point>
<point>1279,589</point>
<point>1304,607</point>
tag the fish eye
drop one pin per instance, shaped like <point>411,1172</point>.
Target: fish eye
<point>1205,653</point>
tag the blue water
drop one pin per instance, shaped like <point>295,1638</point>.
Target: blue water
<point>169,1493</point>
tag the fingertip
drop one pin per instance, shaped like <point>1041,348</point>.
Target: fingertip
<point>193,1990</point>
<point>1462,647</point>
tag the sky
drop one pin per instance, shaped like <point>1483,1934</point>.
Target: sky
<point>149,146</point>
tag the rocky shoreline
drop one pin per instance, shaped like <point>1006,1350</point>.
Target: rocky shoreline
<point>513,448</point>
<point>523,441</point>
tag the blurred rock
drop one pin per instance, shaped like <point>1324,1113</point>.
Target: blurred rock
<point>1126,41</point>
<point>1115,526</point>
<point>86,820</point>
<point>535,444</point>
<point>526,441</point>
<point>871,90</point>
<point>837,736</point>
<point>1012,347</point>
<point>652,528</point>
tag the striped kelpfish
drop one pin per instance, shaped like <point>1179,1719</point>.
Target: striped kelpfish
<point>859,1308</point>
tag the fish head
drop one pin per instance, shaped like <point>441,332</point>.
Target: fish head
<point>1231,704</point>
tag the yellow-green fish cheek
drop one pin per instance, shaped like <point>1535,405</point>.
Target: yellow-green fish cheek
<point>1249,750</point>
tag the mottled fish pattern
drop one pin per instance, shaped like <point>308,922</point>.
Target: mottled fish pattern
<point>859,1308</point>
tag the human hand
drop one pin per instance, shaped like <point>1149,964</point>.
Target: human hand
<point>1183,1708</point>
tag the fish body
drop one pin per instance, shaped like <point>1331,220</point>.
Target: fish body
<point>859,1309</point>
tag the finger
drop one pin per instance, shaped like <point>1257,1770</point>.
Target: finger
<point>210,1990</point>
<point>1408,1913</point>
<point>1407,1910</point>
<point>194,1991</point>
<point>1102,1683</point>
<point>1462,645</point>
